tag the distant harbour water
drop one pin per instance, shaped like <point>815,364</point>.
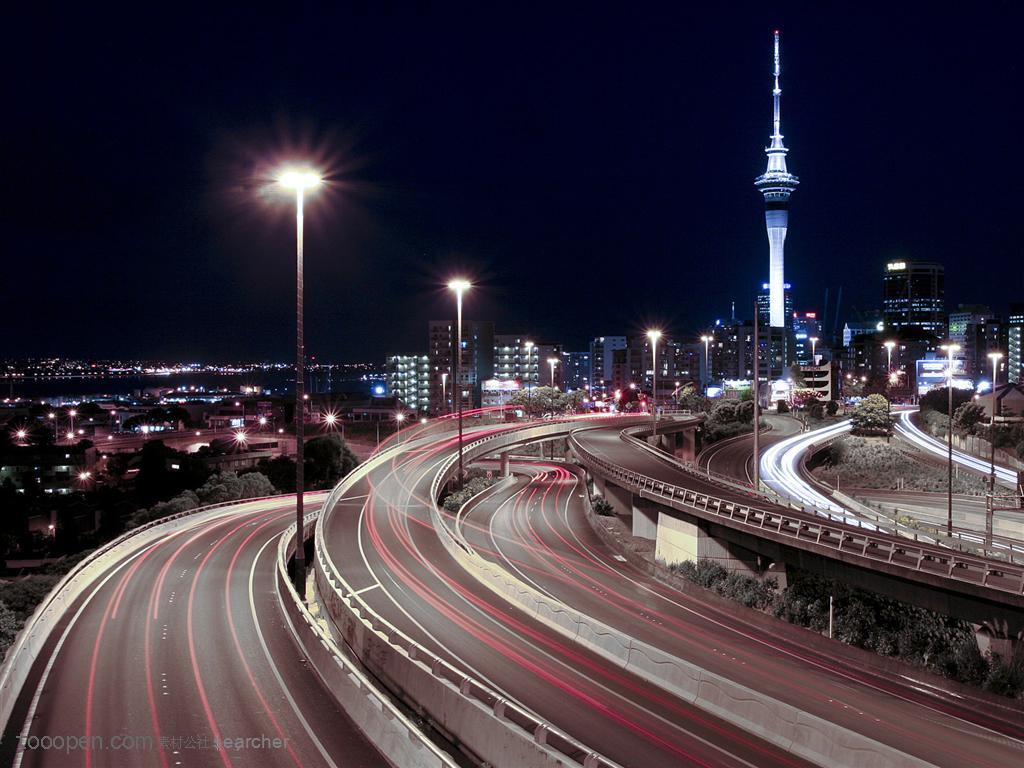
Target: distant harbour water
<point>78,388</point>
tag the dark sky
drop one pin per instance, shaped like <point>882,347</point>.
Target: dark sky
<point>592,169</point>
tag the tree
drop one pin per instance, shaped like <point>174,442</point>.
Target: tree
<point>967,417</point>
<point>327,460</point>
<point>938,400</point>
<point>689,398</point>
<point>871,416</point>
<point>9,627</point>
<point>816,410</point>
<point>832,407</point>
<point>546,400</point>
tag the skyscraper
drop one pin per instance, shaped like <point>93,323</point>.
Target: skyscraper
<point>1015,345</point>
<point>776,184</point>
<point>915,296</point>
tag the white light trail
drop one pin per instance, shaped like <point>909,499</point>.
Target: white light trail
<point>780,468</point>
<point>909,432</point>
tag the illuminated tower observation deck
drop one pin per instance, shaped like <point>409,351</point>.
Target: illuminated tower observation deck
<point>776,184</point>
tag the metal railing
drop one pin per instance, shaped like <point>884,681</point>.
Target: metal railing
<point>851,540</point>
<point>540,732</point>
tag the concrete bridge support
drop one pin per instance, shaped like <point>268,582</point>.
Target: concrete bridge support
<point>681,537</point>
<point>504,464</point>
<point>645,518</point>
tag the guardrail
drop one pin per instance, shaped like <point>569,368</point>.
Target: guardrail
<point>787,726</point>
<point>484,722</point>
<point>401,742</point>
<point>30,640</point>
<point>870,548</point>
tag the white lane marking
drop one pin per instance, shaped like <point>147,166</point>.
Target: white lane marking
<point>365,589</point>
<point>266,652</point>
<point>19,754</point>
<point>536,648</point>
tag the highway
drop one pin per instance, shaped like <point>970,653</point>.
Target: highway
<point>381,539</point>
<point>907,430</point>
<point>536,527</point>
<point>178,646</point>
<point>735,456</point>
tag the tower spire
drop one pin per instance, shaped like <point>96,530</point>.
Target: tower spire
<point>777,97</point>
<point>776,184</point>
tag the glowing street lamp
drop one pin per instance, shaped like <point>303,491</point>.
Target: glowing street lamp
<point>400,418</point>
<point>330,419</point>
<point>299,180</point>
<point>707,339</point>
<point>21,434</point>
<point>654,335</point>
<point>459,286</point>
<point>950,349</point>
<point>995,357</point>
<point>444,392</point>
<point>552,361</point>
<point>241,437</point>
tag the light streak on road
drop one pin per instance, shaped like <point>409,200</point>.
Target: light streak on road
<point>780,467</point>
<point>907,430</point>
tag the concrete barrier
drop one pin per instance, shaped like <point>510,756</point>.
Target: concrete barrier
<point>480,721</point>
<point>398,739</point>
<point>809,736</point>
<point>30,641</point>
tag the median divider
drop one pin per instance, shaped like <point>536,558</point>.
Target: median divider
<point>474,717</point>
<point>399,740</point>
<point>799,732</point>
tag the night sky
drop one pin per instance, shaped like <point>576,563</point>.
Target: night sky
<point>593,170</point>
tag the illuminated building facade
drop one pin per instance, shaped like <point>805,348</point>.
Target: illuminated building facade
<point>914,296</point>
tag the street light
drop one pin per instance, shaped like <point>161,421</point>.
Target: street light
<point>950,349</point>
<point>299,181</point>
<point>399,418</point>
<point>444,392</point>
<point>814,344</point>
<point>995,357</point>
<point>654,335</point>
<point>552,361</point>
<point>707,339</point>
<point>460,286</point>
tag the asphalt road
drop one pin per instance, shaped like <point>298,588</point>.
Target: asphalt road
<point>735,457</point>
<point>537,529</point>
<point>177,647</point>
<point>381,538</point>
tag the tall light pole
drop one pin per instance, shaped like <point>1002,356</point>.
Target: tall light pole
<point>552,361</point>
<point>707,339</point>
<point>529,363</point>
<point>460,286</point>
<point>299,181</point>
<point>444,392</point>
<point>757,399</point>
<point>889,346</point>
<point>654,335</point>
<point>814,344</point>
<point>995,357</point>
<point>950,349</point>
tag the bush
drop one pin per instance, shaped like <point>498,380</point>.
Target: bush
<point>967,417</point>
<point>602,507</point>
<point>816,410</point>
<point>474,485</point>
<point>783,406</point>
<point>832,407</point>
<point>871,416</point>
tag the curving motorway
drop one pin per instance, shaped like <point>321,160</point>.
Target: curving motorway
<point>381,539</point>
<point>536,526</point>
<point>175,654</point>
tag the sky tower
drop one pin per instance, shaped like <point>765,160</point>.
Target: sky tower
<point>776,184</point>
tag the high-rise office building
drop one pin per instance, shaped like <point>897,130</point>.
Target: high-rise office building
<point>915,296</point>
<point>978,332</point>
<point>602,360</point>
<point>576,370</point>
<point>1015,355</point>
<point>776,184</point>
<point>408,379</point>
<point>807,326</point>
<point>516,358</point>
<point>476,360</point>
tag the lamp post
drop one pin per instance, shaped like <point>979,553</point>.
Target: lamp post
<point>814,344</point>
<point>460,286</point>
<point>299,181</point>
<point>399,418</point>
<point>654,335</point>
<point>529,364</point>
<point>707,339</point>
<point>995,357</point>
<point>552,362</point>
<point>950,349</point>
<point>444,392</point>
<point>889,345</point>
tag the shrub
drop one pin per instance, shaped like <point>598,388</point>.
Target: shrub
<point>832,407</point>
<point>602,507</point>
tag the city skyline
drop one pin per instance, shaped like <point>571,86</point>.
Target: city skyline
<point>485,187</point>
